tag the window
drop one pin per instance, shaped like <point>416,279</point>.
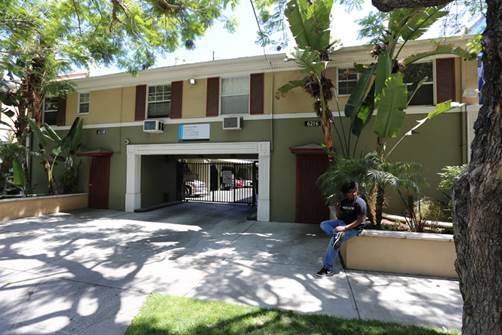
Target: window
<point>412,75</point>
<point>83,103</point>
<point>51,110</point>
<point>159,101</point>
<point>234,96</point>
<point>347,79</point>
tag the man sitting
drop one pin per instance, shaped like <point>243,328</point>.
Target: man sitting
<point>350,213</point>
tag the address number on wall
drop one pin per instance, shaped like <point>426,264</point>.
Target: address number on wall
<point>313,123</point>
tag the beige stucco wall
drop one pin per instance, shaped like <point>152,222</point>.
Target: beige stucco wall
<point>106,106</point>
<point>434,256</point>
<point>268,93</point>
<point>296,100</point>
<point>469,70</point>
<point>128,103</point>
<point>36,206</point>
<point>71,107</point>
<point>194,99</point>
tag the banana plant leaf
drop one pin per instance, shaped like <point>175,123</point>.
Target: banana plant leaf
<point>42,138</point>
<point>441,50</point>
<point>419,84</point>
<point>420,21</point>
<point>383,69</point>
<point>309,23</point>
<point>289,86</point>
<point>362,119</point>
<point>360,92</point>
<point>393,101</point>
<point>51,133</point>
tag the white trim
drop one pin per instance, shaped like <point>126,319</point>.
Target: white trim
<point>133,170</point>
<point>472,115</point>
<point>407,235</point>
<point>147,102</point>
<point>337,81</point>
<point>410,110</point>
<point>434,83</point>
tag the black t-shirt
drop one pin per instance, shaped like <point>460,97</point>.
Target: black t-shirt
<point>351,209</point>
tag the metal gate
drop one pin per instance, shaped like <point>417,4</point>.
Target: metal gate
<point>219,182</point>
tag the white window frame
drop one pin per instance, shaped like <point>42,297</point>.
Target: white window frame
<point>248,78</point>
<point>338,80</point>
<point>52,111</point>
<point>88,103</point>
<point>433,82</point>
<point>147,117</point>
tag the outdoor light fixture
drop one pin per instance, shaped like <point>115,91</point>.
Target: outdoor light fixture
<point>192,81</point>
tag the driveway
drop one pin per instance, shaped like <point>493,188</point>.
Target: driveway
<point>89,272</point>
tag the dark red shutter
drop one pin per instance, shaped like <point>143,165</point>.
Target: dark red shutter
<point>213,96</point>
<point>176,99</point>
<point>256,93</point>
<point>445,79</point>
<point>139,113</point>
<point>61,115</point>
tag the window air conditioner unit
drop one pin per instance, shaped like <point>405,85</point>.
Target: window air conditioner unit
<point>153,126</point>
<point>232,122</point>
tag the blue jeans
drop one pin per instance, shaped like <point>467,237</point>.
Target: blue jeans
<point>328,227</point>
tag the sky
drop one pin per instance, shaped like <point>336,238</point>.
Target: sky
<point>242,42</point>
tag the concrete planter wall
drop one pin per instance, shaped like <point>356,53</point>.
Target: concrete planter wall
<point>401,252</point>
<point>35,206</point>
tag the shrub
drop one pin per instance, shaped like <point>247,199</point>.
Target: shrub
<point>449,176</point>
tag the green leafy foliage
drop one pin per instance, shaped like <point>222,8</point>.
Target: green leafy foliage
<point>12,159</point>
<point>309,23</point>
<point>449,175</point>
<point>54,149</point>
<point>390,116</point>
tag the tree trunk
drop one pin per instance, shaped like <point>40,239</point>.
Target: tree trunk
<point>477,198</point>
<point>477,205</point>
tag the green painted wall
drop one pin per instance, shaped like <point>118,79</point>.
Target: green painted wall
<point>438,143</point>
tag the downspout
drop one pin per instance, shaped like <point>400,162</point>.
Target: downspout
<point>272,105</point>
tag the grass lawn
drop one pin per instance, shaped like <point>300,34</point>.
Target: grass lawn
<point>165,315</point>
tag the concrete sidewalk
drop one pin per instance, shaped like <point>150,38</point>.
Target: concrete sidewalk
<point>89,272</point>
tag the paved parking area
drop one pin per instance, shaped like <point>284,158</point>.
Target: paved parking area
<point>89,272</point>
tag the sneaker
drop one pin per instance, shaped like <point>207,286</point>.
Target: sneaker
<point>324,273</point>
<point>337,243</point>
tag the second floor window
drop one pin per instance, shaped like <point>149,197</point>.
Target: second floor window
<point>234,95</point>
<point>347,80</point>
<point>50,110</point>
<point>83,103</point>
<point>159,101</point>
<point>412,75</point>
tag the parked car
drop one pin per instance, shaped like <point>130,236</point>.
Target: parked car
<point>240,183</point>
<point>194,188</point>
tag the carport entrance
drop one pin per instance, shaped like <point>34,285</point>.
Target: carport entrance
<point>261,149</point>
<point>219,180</point>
